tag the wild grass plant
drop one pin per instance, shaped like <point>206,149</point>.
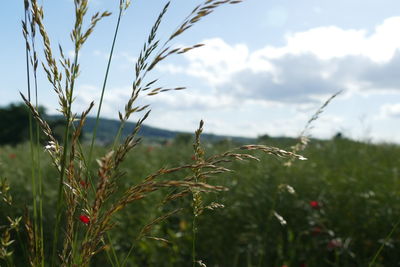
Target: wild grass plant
<point>88,202</point>
<point>337,209</point>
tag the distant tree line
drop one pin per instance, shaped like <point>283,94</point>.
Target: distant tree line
<point>14,125</point>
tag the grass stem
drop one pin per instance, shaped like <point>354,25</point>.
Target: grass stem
<point>372,263</point>
<point>104,87</point>
<point>63,163</point>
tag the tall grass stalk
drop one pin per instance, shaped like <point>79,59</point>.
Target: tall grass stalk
<point>29,32</point>
<point>97,208</point>
<point>63,165</point>
<point>304,136</point>
<point>78,38</point>
<point>121,9</point>
<point>384,242</point>
<point>123,6</point>
<point>38,163</point>
<point>197,203</point>
<point>31,142</point>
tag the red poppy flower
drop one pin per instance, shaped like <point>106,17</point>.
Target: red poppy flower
<point>315,204</point>
<point>12,156</point>
<point>83,184</point>
<point>85,219</point>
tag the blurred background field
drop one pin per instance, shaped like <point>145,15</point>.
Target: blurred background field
<point>346,201</point>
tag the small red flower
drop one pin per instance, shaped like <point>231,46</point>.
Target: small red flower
<point>334,243</point>
<point>83,184</point>
<point>316,230</point>
<point>315,204</point>
<point>193,157</point>
<point>85,219</point>
<point>12,156</point>
<point>149,149</point>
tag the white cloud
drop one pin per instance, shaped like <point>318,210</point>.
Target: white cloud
<point>312,64</point>
<point>323,42</point>
<point>243,87</point>
<point>191,100</point>
<point>332,42</point>
<point>217,60</point>
<point>390,111</point>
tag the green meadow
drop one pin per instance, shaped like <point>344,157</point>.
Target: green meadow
<point>346,201</point>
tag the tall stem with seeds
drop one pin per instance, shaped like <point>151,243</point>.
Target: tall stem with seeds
<point>104,86</point>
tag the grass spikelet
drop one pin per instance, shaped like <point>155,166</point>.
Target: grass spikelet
<point>6,240</point>
<point>53,147</point>
<point>304,137</point>
<point>90,201</point>
<point>31,240</point>
<point>273,151</point>
<point>147,228</point>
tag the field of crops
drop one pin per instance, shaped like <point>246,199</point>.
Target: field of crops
<point>335,209</point>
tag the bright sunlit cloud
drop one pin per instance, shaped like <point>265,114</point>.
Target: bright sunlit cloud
<point>313,64</point>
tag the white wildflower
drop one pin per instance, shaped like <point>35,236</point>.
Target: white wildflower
<point>290,189</point>
<point>200,262</point>
<point>287,188</point>
<point>281,220</point>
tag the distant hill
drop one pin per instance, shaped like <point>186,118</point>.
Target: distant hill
<point>108,129</point>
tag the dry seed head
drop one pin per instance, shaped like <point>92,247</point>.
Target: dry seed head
<point>124,4</point>
<point>159,239</point>
<point>14,223</point>
<point>273,151</point>
<point>214,205</point>
<point>56,150</point>
<point>171,197</point>
<point>31,237</point>
<point>105,167</point>
<point>147,228</point>
<point>5,195</point>
<point>142,66</point>
<point>304,135</point>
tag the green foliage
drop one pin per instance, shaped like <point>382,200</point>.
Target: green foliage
<point>14,124</point>
<point>356,186</point>
<point>183,139</point>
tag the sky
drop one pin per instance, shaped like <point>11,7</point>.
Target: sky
<point>266,66</point>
